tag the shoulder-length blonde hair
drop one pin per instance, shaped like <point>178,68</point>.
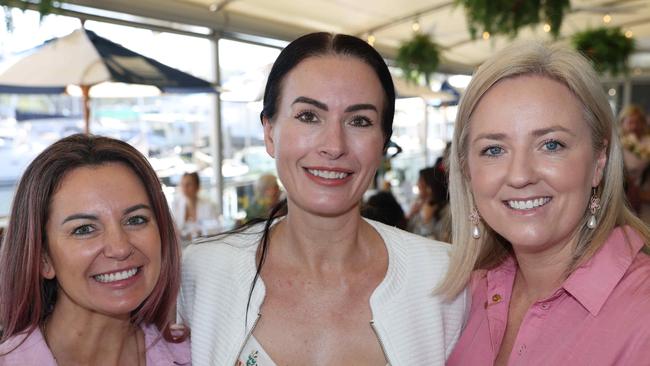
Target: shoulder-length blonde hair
<point>568,67</point>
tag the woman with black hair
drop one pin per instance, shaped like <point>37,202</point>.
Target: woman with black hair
<point>317,284</point>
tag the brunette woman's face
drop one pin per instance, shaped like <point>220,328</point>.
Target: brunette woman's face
<point>327,136</point>
<point>104,247</point>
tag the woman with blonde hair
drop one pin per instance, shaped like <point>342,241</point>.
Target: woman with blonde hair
<point>556,261</point>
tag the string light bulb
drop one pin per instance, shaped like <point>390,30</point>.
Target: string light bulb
<point>415,26</point>
<point>629,34</point>
<point>371,39</point>
<point>547,27</point>
<point>486,35</point>
<point>607,18</point>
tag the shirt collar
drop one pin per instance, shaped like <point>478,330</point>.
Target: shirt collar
<point>593,282</point>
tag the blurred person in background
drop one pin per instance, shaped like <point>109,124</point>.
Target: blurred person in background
<point>194,215</point>
<point>90,263</point>
<point>267,195</point>
<point>317,284</point>
<point>383,207</point>
<point>429,214</point>
<point>636,156</point>
<point>561,265</point>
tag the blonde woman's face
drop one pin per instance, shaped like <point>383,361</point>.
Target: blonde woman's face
<point>531,162</point>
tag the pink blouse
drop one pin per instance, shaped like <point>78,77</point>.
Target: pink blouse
<point>34,350</point>
<point>600,315</point>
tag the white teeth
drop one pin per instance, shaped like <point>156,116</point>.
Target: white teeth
<point>117,276</point>
<point>529,204</point>
<point>328,174</point>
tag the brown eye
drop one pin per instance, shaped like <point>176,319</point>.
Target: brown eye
<point>361,121</point>
<point>307,117</point>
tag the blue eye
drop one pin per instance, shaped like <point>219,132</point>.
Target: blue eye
<point>307,117</point>
<point>553,145</point>
<point>492,151</point>
<point>83,230</point>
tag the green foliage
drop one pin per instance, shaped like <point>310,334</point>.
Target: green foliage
<point>508,16</point>
<point>607,48</point>
<point>418,57</point>
<point>45,7</point>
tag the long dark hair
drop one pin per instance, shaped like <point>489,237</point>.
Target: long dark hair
<point>314,45</point>
<point>26,298</point>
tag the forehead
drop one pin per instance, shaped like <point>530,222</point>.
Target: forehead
<point>344,76</point>
<point>93,185</point>
<point>528,101</point>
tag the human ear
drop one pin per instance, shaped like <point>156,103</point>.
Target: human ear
<point>268,136</point>
<point>601,161</point>
<point>47,270</point>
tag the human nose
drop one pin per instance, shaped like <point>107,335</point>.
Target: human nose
<point>333,144</point>
<point>521,171</point>
<point>117,244</point>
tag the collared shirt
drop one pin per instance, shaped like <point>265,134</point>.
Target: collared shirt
<point>599,316</point>
<point>34,351</point>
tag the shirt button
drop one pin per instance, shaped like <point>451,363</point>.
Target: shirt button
<point>496,298</point>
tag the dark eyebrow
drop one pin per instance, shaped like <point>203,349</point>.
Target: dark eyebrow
<point>313,102</point>
<point>93,217</point>
<point>360,107</point>
<point>137,207</point>
<point>79,217</point>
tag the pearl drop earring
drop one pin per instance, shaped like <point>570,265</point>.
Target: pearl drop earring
<point>594,206</point>
<point>474,218</point>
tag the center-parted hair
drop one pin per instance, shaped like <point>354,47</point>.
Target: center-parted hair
<point>323,44</point>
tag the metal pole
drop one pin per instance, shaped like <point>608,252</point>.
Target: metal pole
<point>216,142</point>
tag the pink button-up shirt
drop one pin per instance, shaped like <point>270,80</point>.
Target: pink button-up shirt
<point>34,351</point>
<point>600,315</point>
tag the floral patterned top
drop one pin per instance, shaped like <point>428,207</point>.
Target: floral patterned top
<point>254,355</point>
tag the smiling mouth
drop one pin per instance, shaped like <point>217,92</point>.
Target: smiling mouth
<point>523,205</point>
<point>117,276</point>
<point>328,174</point>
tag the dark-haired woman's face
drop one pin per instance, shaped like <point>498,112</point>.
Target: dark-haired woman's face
<point>327,137</point>
<point>189,187</point>
<point>104,247</point>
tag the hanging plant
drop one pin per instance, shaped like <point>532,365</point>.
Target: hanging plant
<point>418,57</point>
<point>45,7</point>
<point>607,48</point>
<point>508,16</point>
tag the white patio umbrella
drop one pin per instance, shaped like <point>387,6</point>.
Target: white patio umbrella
<point>85,59</point>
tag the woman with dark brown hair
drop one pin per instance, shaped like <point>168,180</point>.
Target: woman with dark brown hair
<point>316,283</point>
<point>89,265</point>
